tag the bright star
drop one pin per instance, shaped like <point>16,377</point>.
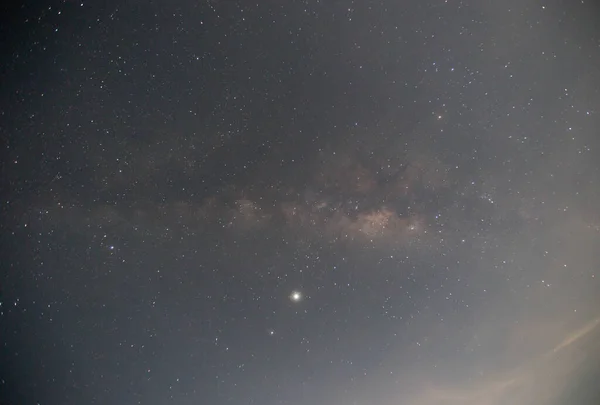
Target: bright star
<point>296,296</point>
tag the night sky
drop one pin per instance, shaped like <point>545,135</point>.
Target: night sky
<point>300,202</point>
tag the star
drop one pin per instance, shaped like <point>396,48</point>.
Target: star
<point>296,296</point>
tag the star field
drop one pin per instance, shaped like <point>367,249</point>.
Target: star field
<point>300,202</point>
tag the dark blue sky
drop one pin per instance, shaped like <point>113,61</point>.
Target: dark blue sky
<point>424,174</point>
